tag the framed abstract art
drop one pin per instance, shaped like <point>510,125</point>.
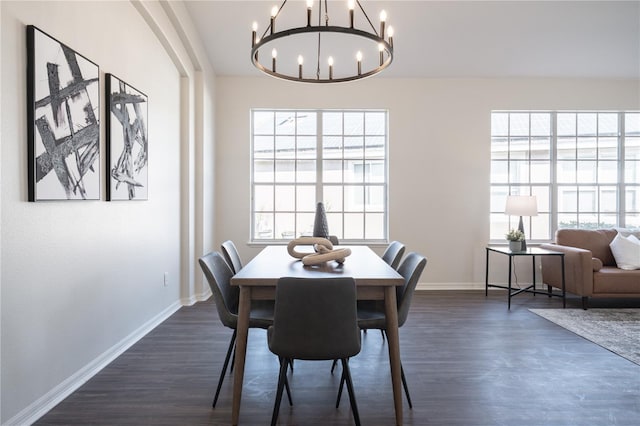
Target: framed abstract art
<point>63,113</point>
<point>127,141</point>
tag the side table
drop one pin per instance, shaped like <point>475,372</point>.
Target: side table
<point>531,252</point>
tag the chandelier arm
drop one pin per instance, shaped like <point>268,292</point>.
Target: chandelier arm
<point>326,12</point>
<point>319,23</point>
<point>318,68</point>
<point>368,20</point>
<point>269,26</point>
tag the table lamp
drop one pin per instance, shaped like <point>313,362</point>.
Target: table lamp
<point>521,205</point>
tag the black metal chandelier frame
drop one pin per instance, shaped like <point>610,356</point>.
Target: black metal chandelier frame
<point>386,47</point>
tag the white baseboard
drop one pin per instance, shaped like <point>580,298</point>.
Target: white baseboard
<point>196,298</point>
<point>45,403</point>
<point>450,286</point>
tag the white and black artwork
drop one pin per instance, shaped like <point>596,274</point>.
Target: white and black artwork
<point>128,148</point>
<point>63,121</point>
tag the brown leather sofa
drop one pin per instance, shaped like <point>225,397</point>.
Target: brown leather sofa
<point>590,268</point>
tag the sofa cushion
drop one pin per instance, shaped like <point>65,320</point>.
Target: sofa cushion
<point>595,240</point>
<point>626,251</point>
<point>610,280</point>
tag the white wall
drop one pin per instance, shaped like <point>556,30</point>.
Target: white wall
<point>439,154</point>
<point>80,281</point>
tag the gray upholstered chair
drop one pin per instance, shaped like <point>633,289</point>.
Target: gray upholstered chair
<point>393,254</point>
<point>411,269</point>
<point>230,253</point>
<point>315,319</point>
<point>227,297</point>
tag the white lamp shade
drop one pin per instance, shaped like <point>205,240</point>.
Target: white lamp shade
<point>521,205</point>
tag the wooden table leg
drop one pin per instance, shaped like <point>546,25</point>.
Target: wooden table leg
<point>391,313</point>
<point>244,309</point>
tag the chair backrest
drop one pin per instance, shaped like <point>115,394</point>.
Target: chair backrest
<point>411,269</point>
<point>231,255</point>
<point>393,254</point>
<point>315,319</point>
<point>225,296</point>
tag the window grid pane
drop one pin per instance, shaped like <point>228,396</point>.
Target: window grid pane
<point>585,156</point>
<point>347,170</point>
<point>521,148</point>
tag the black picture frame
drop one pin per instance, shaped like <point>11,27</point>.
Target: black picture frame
<point>63,121</point>
<point>127,141</point>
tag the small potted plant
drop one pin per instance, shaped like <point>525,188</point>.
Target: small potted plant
<point>515,238</point>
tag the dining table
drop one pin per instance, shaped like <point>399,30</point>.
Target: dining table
<point>374,278</point>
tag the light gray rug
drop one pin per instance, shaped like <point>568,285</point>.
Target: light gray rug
<point>617,330</point>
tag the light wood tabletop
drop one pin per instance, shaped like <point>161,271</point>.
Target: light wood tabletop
<point>375,280</point>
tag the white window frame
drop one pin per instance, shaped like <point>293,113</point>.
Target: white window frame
<point>318,184</point>
<point>550,206</point>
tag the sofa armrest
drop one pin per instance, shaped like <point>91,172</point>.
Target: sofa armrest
<point>578,266</point>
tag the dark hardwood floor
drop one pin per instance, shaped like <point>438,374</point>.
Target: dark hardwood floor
<point>468,362</point>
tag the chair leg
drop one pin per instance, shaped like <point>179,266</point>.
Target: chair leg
<point>281,380</point>
<point>333,366</point>
<point>340,390</point>
<point>406,388</point>
<point>352,396</point>
<point>404,384</point>
<point>224,367</point>
<point>286,385</point>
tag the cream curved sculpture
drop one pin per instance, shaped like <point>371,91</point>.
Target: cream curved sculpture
<point>323,247</point>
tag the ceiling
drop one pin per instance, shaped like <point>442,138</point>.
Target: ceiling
<point>456,39</point>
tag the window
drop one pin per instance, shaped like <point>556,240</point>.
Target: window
<point>302,157</point>
<point>582,166</point>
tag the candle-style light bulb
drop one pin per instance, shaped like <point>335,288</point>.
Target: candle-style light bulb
<point>390,32</point>
<point>359,59</point>
<point>274,54</point>
<point>351,4</point>
<point>330,61</point>
<point>309,7</point>
<point>254,28</point>
<point>274,12</point>
<point>300,61</point>
<point>383,18</point>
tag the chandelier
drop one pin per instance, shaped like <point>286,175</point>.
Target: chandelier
<point>352,54</point>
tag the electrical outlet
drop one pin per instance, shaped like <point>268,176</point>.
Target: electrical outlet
<point>166,279</point>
